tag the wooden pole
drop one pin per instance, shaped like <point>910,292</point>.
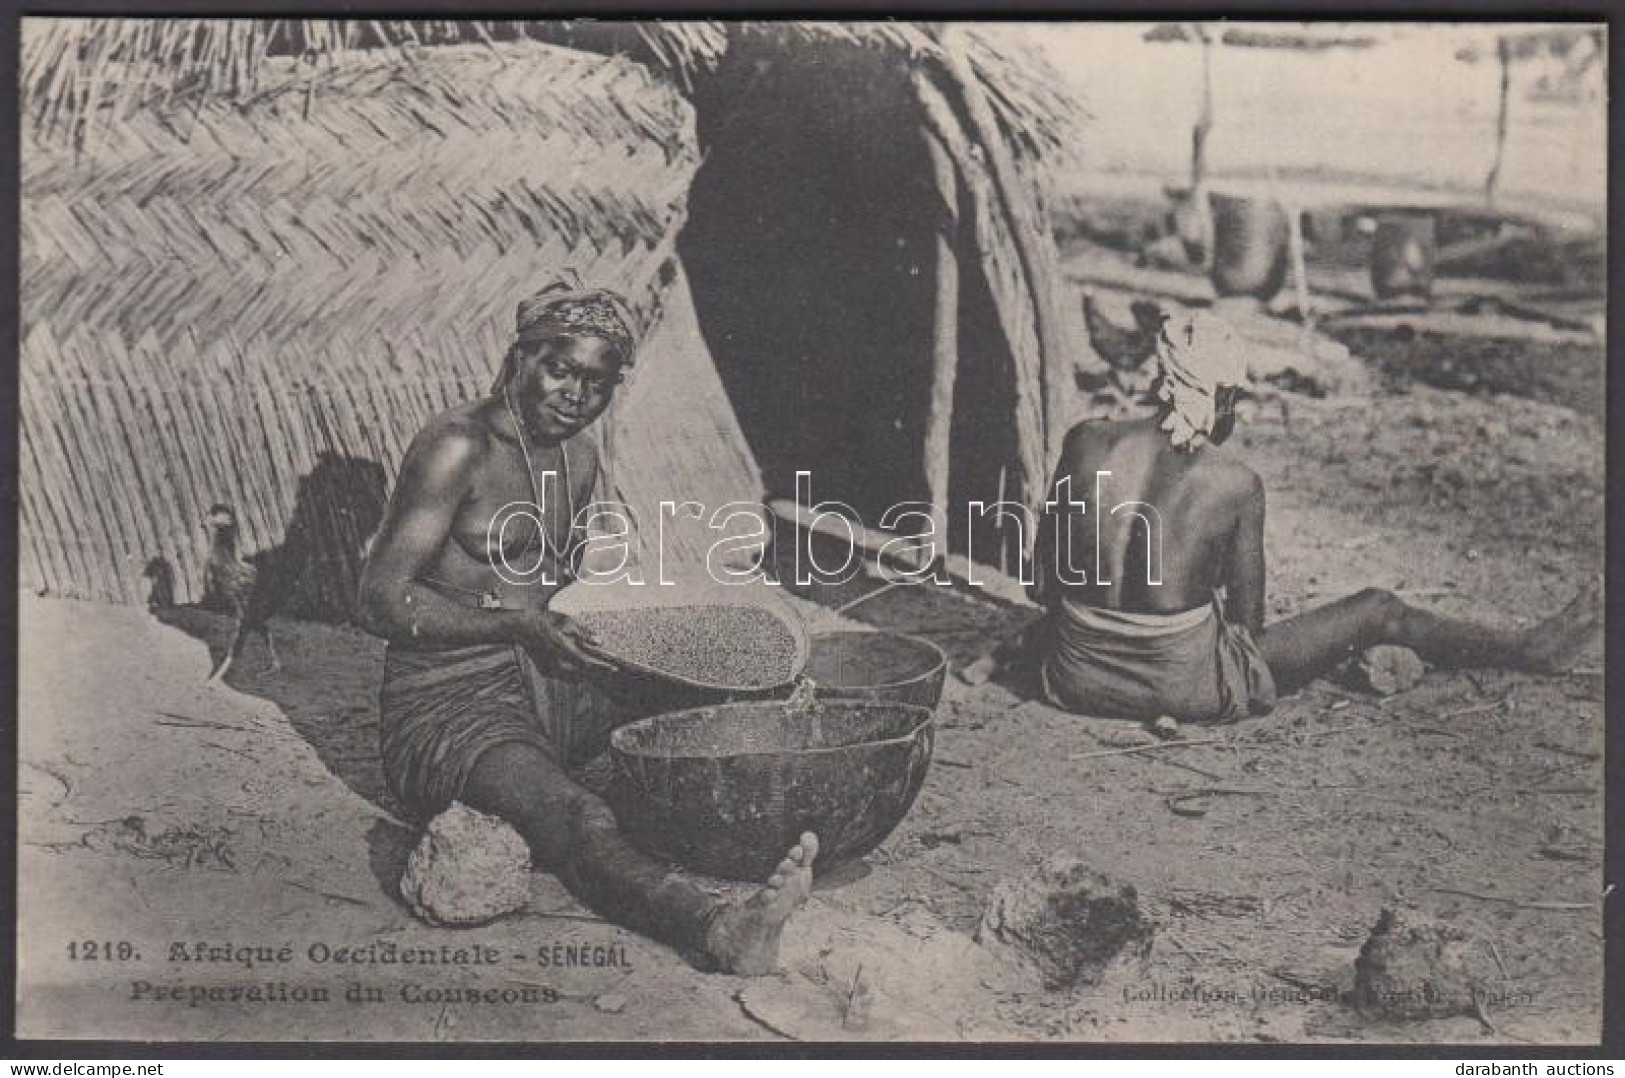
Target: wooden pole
<point>1300,275</point>
<point>971,171</point>
<point>944,340</point>
<point>1020,212</point>
<point>1204,116</point>
<point>1503,50</point>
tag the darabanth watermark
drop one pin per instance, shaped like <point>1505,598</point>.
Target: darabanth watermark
<point>735,557</point>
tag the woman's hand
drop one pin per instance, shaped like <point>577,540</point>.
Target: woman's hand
<point>570,644</point>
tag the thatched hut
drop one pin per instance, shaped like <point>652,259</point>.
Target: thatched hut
<point>256,256</point>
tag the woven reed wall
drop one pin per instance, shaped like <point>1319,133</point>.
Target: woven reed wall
<point>260,303</point>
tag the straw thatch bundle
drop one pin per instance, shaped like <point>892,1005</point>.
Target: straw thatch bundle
<point>225,295</point>
<point>75,69</point>
<point>257,255</point>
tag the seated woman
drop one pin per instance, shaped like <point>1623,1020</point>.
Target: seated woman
<point>486,698</point>
<point>1137,627</point>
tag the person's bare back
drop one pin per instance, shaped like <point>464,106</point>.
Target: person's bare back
<point>1159,530</point>
<point>1150,521</point>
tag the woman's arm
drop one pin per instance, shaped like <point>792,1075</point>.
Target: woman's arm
<point>433,483</point>
<point>1244,587</point>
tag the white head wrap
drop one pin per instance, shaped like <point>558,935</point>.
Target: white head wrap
<point>1197,353</point>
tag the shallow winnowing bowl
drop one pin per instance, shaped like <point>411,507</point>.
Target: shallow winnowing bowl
<point>727,790</point>
<point>719,640</point>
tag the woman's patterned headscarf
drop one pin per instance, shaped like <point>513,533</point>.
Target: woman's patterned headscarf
<point>562,311</point>
<point>566,309</point>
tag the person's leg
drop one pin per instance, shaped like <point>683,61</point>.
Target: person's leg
<point>572,832</point>
<point>1302,648</point>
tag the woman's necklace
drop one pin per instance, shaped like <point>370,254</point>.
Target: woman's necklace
<point>489,599</point>
<point>560,557</point>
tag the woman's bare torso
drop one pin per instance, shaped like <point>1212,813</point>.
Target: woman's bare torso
<point>465,569</point>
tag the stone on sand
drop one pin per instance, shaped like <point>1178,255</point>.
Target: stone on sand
<point>1388,669</point>
<point>1164,727</point>
<point>1414,967</point>
<point>1065,921</point>
<point>469,868</point>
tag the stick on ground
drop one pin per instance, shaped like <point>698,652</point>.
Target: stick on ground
<point>1152,747</point>
<point>1515,902</point>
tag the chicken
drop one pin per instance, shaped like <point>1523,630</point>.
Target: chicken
<point>251,588</point>
<point>1124,349</point>
<point>161,590</point>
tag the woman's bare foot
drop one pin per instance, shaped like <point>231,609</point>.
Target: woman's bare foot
<point>744,939</point>
<point>1552,646</point>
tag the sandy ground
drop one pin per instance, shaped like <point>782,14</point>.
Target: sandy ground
<point>161,813</point>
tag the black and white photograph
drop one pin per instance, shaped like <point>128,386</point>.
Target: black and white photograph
<point>755,531</point>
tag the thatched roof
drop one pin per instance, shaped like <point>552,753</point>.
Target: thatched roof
<point>617,161</point>
<point>214,299</point>
<point>252,245</point>
<point>1023,89</point>
<point>77,70</point>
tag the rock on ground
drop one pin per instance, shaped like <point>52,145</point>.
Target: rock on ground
<point>1414,967</point>
<point>469,868</point>
<point>1165,727</point>
<point>1066,920</point>
<point>1388,669</point>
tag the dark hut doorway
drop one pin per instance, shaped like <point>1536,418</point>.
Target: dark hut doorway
<point>810,245</point>
<point>982,447</point>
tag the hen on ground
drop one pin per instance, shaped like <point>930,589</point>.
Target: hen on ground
<point>250,588</point>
